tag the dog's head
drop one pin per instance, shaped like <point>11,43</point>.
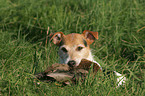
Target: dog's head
<point>74,47</point>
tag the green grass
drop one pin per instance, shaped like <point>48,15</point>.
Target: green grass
<point>23,51</point>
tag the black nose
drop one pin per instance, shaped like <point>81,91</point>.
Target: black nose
<point>71,63</point>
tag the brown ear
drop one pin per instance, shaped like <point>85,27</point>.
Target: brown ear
<point>90,36</point>
<point>56,37</point>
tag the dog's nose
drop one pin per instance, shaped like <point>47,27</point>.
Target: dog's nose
<point>71,63</point>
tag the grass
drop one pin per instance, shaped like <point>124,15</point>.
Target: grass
<point>23,51</point>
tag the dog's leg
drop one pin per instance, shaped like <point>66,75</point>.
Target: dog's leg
<point>120,79</point>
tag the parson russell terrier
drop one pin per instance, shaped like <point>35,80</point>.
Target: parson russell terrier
<point>75,47</point>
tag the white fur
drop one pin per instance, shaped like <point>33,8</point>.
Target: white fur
<point>121,79</point>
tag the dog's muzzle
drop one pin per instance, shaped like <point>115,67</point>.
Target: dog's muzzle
<point>71,63</point>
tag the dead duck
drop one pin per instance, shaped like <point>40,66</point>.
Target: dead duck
<point>66,73</point>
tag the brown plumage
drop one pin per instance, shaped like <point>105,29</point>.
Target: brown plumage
<point>66,74</point>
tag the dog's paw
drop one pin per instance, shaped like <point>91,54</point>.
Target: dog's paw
<point>121,79</point>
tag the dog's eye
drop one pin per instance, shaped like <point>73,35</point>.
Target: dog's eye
<point>64,49</point>
<point>79,48</point>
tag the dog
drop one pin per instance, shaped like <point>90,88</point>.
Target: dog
<point>74,47</point>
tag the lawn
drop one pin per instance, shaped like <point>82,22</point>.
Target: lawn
<point>25,48</point>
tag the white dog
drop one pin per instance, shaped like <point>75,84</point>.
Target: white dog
<point>75,47</point>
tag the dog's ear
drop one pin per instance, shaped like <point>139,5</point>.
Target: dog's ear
<point>90,36</point>
<point>56,37</point>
